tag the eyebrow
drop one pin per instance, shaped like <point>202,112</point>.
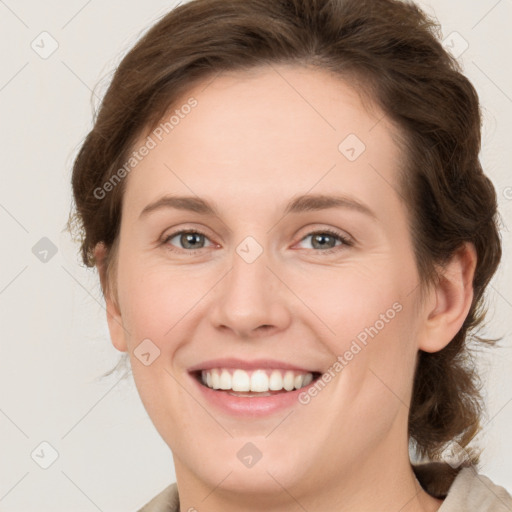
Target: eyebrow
<point>303,203</point>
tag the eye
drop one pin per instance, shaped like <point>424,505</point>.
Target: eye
<point>325,240</point>
<point>190,239</point>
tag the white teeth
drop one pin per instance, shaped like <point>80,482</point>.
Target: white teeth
<point>257,381</point>
<point>225,380</point>
<point>288,381</point>
<point>307,379</point>
<point>240,381</point>
<point>215,379</point>
<point>276,381</point>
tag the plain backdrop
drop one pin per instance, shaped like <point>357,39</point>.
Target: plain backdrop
<point>54,338</point>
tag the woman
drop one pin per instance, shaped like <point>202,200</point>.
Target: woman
<point>323,158</point>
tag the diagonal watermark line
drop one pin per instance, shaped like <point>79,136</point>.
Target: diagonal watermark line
<point>199,403</point>
<point>89,293</point>
<point>115,384</point>
<point>14,485</point>
<point>413,290</point>
<point>384,179</point>
<point>482,428</point>
<point>410,500</point>
<point>302,97</point>
<point>13,217</point>
<point>13,13</point>
<point>389,388</point>
<point>311,188</point>
<point>333,332</point>
<point>213,490</point>
<point>486,14</point>
<point>286,417</point>
<point>475,473</point>
<point>82,286</point>
<point>211,81</point>
<point>14,76</point>
<point>81,491</point>
<point>490,489</point>
<point>377,122</point>
<point>93,92</point>
<point>14,423</point>
<point>492,81</point>
<point>198,301</point>
<point>287,492</point>
<point>496,413</point>
<point>431,275</point>
<point>76,14</point>
<point>13,279</point>
<point>332,167</point>
<point>502,296</point>
<point>184,184</point>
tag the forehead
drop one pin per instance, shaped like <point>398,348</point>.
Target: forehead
<point>278,129</point>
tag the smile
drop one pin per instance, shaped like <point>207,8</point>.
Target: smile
<point>255,382</point>
<point>240,400</point>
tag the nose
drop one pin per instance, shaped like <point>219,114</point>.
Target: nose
<point>250,300</point>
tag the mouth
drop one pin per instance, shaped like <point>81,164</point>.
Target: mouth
<point>261,382</point>
<point>254,388</point>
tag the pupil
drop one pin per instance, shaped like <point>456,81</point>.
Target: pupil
<point>189,237</point>
<point>323,237</point>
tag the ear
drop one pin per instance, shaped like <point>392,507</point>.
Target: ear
<point>449,301</point>
<point>114,319</point>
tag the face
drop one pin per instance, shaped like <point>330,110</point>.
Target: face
<point>273,281</point>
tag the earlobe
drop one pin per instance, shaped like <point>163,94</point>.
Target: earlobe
<point>450,301</point>
<point>114,319</point>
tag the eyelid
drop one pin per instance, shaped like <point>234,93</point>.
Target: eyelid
<point>322,228</point>
<point>173,234</point>
<point>347,240</point>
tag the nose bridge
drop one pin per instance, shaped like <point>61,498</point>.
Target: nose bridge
<point>249,297</point>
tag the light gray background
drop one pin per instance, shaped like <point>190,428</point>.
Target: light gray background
<point>54,337</point>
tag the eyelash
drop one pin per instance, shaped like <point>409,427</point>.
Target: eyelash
<point>345,241</point>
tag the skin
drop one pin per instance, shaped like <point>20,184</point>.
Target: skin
<point>253,143</point>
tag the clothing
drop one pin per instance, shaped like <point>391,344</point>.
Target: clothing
<point>165,501</point>
<point>469,492</point>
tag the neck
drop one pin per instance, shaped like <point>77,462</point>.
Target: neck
<point>382,495</point>
<point>381,479</point>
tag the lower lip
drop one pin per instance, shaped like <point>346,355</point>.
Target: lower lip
<point>251,405</point>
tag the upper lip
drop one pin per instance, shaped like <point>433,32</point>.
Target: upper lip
<point>253,364</point>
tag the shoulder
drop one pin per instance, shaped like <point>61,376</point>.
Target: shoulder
<point>466,490</point>
<point>472,491</point>
<point>165,501</point>
<point>463,489</point>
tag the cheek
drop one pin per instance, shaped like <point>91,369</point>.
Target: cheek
<point>156,300</point>
<point>341,303</point>
<point>354,303</point>
<point>372,324</point>
<point>154,308</point>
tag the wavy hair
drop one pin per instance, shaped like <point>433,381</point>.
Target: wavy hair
<point>392,51</point>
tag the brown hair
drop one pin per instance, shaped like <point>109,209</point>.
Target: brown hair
<point>392,50</point>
